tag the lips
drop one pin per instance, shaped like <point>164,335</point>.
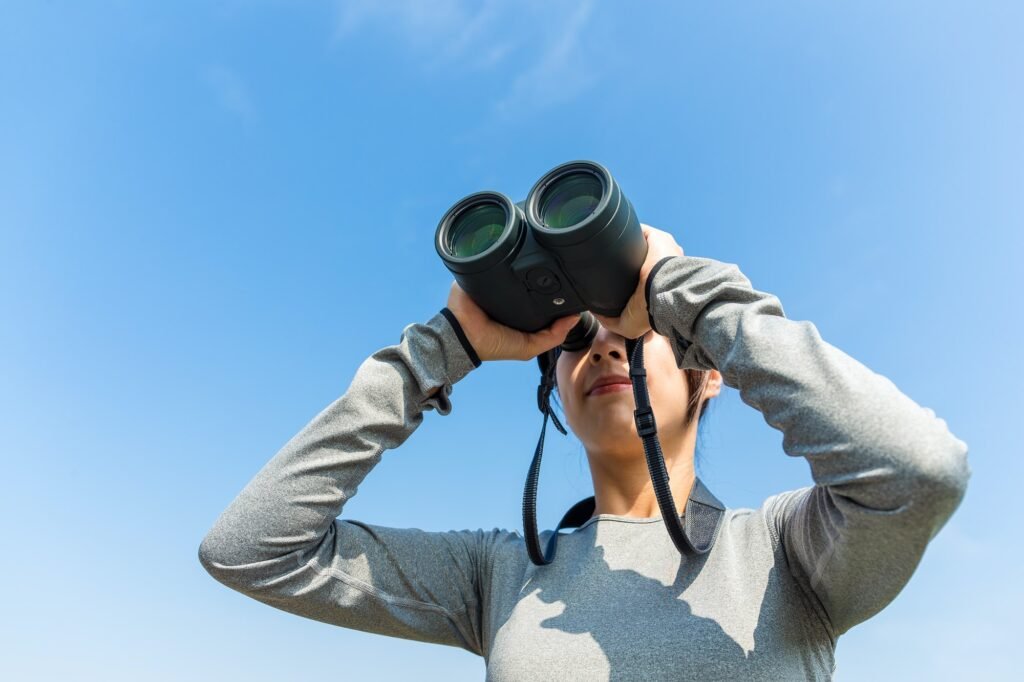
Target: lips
<point>608,380</point>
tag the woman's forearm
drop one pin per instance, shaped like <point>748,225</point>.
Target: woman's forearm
<point>860,434</point>
<point>888,473</point>
<point>290,504</point>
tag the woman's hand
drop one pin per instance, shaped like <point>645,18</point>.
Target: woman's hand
<point>494,341</point>
<point>633,322</point>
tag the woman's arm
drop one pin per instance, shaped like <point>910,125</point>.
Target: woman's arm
<point>887,472</point>
<point>280,543</point>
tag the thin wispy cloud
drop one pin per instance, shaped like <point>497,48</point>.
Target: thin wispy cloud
<point>559,75</point>
<point>474,36</point>
<point>445,30</point>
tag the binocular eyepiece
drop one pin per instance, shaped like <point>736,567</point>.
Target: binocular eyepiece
<point>573,245</point>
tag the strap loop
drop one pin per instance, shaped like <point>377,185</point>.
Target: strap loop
<point>645,423</point>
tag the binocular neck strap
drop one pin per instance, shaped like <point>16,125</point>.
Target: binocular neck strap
<point>647,428</point>
<point>538,557</point>
<point>704,511</point>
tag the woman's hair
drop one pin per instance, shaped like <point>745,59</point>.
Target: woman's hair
<point>696,380</point>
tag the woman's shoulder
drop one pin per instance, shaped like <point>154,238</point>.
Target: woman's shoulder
<point>766,519</point>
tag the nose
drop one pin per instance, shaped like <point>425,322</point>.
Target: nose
<point>609,344</point>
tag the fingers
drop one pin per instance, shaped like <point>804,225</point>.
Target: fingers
<point>560,329</point>
<point>630,324</point>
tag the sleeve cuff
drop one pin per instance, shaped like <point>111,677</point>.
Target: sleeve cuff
<point>466,345</point>
<point>647,289</point>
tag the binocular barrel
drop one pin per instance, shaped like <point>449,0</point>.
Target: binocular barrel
<point>573,245</point>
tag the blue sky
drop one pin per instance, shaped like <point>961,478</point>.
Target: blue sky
<point>212,213</point>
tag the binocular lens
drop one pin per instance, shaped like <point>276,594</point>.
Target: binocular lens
<point>476,230</point>
<point>570,199</point>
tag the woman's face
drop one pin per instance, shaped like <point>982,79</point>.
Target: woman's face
<point>603,418</point>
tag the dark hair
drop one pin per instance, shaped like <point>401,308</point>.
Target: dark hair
<point>697,380</point>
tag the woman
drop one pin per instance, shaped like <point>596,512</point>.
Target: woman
<point>767,602</point>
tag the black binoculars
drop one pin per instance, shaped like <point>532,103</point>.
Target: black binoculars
<point>574,245</point>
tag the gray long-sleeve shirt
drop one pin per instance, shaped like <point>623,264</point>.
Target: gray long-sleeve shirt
<point>619,602</point>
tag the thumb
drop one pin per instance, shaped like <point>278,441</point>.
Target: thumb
<point>554,335</point>
<point>563,326</point>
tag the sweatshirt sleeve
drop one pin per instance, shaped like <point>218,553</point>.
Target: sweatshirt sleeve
<point>279,540</point>
<point>887,472</point>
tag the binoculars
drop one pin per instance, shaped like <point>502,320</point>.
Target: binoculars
<point>573,245</point>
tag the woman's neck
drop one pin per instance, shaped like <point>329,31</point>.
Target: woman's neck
<point>622,484</point>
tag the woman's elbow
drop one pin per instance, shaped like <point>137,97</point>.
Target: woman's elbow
<point>941,477</point>
<point>933,460</point>
<point>224,558</point>
<point>226,568</point>
<point>211,556</point>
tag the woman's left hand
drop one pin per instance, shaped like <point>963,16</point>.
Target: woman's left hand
<point>633,322</point>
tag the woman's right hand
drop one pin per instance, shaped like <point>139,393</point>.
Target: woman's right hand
<point>494,341</point>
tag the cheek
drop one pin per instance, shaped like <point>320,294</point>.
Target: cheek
<point>561,385</point>
<point>669,389</point>
<point>670,395</point>
<point>566,387</point>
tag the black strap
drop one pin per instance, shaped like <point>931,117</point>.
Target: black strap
<point>533,476</point>
<point>648,430</point>
<point>704,512</point>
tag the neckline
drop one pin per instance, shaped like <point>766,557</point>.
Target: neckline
<point>699,532</point>
<point>622,519</point>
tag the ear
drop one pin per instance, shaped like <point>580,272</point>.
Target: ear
<point>714,385</point>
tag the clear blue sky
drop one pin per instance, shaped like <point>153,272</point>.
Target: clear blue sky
<point>212,212</point>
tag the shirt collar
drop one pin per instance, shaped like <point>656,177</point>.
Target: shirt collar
<point>701,521</point>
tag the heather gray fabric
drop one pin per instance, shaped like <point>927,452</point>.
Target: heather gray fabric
<point>619,603</point>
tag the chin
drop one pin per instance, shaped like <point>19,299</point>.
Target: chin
<point>613,426</point>
<point>621,449</point>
